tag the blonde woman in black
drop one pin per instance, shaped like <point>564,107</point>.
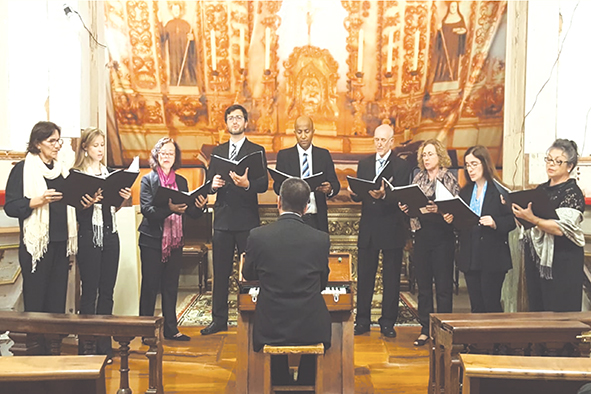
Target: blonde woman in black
<point>98,240</point>
<point>434,238</point>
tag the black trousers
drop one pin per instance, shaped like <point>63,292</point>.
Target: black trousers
<point>98,274</point>
<point>164,278</point>
<point>433,261</point>
<point>484,290</point>
<point>562,293</point>
<point>280,370</point>
<point>45,289</point>
<point>224,243</point>
<point>367,266</point>
<point>311,219</point>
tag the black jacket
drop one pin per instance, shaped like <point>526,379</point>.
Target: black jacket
<point>288,161</point>
<point>237,209</point>
<point>151,226</point>
<point>17,205</point>
<point>290,259</point>
<point>383,225</point>
<point>482,247</point>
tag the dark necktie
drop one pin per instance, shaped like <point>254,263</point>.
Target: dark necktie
<point>305,166</point>
<point>234,152</point>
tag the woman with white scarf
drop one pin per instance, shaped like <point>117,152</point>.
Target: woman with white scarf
<point>98,240</point>
<point>48,227</point>
<point>554,248</point>
<point>161,235</point>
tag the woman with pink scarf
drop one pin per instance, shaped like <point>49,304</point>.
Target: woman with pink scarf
<point>161,235</point>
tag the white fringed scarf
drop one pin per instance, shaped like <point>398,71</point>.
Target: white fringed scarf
<point>543,243</point>
<point>36,226</point>
<point>97,214</point>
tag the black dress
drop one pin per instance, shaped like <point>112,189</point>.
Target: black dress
<point>564,292</point>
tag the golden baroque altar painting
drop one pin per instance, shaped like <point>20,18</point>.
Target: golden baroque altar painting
<point>431,69</point>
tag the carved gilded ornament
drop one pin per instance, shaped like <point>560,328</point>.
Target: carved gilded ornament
<point>187,109</point>
<point>140,36</point>
<point>131,109</point>
<point>216,22</point>
<point>311,75</point>
<point>161,63</point>
<point>413,66</point>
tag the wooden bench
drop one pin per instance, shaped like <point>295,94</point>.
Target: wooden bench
<point>29,331</point>
<point>486,374</point>
<point>269,351</point>
<point>53,374</point>
<point>508,335</point>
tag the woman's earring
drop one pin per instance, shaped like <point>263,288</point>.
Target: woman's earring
<point>85,153</point>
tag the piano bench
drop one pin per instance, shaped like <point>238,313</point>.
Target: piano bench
<point>269,351</point>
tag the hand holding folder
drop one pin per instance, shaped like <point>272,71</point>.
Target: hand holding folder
<point>164,194</point>
<point>540,204</point>
<point>253,161</point>
<point>313,181</point>
<point>78,184</point>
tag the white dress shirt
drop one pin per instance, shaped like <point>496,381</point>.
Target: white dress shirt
<point>312,209</point>
<point>385,158</point>
<point>237,144</point>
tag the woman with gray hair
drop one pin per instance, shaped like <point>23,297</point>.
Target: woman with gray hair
<point>554,248</point>
<point>161,235</point>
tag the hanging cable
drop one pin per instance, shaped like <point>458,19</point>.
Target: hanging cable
<point>68,10</point>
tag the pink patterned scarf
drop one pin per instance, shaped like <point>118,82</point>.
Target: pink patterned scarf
<point>172,231</point>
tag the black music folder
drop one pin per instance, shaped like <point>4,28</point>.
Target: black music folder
<point>464,216</point>
<point>253,161</point>
<point>313,181</point>
<point>78,184</point>
<point>409,195</point>
<point>163,194</point>
<point>541,205</point>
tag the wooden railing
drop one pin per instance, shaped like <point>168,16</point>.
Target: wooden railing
<point>29,330</point>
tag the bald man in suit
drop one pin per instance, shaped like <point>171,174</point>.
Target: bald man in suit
<point>382,228</point>
<point>305,159</point>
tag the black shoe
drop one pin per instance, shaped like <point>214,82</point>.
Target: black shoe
<point>213,328</point>
<point>360,329</point>
<point>421,341</point>
<point>179,337</point>
<point>388,332</point>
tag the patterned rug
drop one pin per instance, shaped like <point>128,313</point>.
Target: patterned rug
<point>195,310</point>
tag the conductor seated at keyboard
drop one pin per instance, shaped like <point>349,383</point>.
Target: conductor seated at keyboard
<point>290,261</point>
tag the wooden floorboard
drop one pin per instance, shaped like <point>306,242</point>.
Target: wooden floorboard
<point>207,364</point>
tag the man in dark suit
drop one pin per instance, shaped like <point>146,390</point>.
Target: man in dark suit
<point>303,160</point>
<point>382,228</point>
<point>236,212</point>
<point>290,260</point>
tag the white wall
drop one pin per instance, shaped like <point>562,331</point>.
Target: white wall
<point>562,105</point>
<point>44,74</point>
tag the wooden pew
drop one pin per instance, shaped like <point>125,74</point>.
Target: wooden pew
<point>486,374</point>
<point>26,329</point>
<point>508,335</point>
<point>53,374</point>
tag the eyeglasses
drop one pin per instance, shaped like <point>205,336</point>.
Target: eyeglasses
<point>428,154</point>
<point>166,154</point>
<point>233,118</point>
<point>473,164</point>
<point>55,142</point>
<point>550,161</point>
